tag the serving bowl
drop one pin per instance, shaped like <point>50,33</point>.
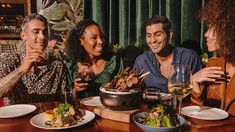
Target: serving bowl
<point>156,129</point>
<point>117,100</point>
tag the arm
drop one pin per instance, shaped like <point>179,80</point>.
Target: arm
<point>208,74</point>
<point>10,75</point>
<point>9,82</point>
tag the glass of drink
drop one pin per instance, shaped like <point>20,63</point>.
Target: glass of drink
<point>86,75</point>
<point>167,99</point>
<point>151,97</point>
<point>180,82</point>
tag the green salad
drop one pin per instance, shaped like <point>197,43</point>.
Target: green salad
<point>161,116</point>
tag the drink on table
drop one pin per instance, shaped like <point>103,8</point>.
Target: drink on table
<point>151,97</point>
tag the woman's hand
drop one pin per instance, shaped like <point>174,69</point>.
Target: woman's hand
<point>209,74</point>
<point>79,86</point>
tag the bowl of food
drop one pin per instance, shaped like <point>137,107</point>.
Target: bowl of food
<point>159,119</point>
<point>123,92</point>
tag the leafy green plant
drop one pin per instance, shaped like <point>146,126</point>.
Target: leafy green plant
<point>62,14</point>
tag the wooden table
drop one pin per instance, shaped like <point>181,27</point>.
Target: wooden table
<point>22,124</point>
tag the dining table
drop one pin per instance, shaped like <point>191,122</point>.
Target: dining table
<point>99,124</point>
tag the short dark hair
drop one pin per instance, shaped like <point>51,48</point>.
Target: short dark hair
<point>160,19</point>
<point>32,17</point>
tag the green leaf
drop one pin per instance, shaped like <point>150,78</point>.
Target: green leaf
<point>57,13</point>
<point>76,4</point>
<point>61,26</point>
<point>166,121</point>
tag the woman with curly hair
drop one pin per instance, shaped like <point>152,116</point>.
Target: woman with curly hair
<point>215,84</point>
<point>86,47</point>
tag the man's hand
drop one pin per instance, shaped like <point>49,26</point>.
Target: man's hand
<point>32,57</point>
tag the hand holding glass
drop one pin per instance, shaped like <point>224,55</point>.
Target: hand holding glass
<point>86,75</point>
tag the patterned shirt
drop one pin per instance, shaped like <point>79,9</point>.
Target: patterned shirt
<point>148,62</point>
<point>48,85</point>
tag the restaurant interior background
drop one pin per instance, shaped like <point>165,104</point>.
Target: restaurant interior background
<point>123,21</point>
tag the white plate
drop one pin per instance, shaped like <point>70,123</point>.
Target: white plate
<point>204,112</point>
<point>39,121</point>
<point>17,110</point>
<point>91,101</point>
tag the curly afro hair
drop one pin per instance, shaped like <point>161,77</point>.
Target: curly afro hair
<point>221,15</point>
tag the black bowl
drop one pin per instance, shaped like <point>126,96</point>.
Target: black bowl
<point>121,100</point>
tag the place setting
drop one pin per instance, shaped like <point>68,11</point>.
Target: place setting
<point>63,116</point>
<point>17,110</point>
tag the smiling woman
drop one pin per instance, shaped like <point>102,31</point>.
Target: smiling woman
<point>86,44</point>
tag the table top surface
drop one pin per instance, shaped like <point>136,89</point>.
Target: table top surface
<point>22,124</point>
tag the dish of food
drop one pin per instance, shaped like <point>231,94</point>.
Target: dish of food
<point>62,117</point>
<point>161,118</point>
<point>126,80</point>
<point>204,112</point>
<point>17,110</point>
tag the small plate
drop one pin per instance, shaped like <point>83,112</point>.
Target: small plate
<point>156,129</point>
<point>204,112</point>
<point>17,110</point>
<point>40,119</point>
<point>91,101</point>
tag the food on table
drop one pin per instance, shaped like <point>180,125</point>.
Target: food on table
<point>126,80</point>
<point>160,116</point>
<point>63,115</point>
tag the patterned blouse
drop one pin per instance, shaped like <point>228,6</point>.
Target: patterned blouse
<point>48,85</point>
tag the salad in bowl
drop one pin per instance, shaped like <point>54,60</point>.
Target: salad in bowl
<point>160,118</point>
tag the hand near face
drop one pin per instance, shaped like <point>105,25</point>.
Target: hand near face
<point>32,56</point>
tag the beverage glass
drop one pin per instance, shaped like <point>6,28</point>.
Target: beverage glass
<point>86,75</point>
<point>168,100</point>
<point>179,84</point>
<point>151,97</point>
<point>71,97</point>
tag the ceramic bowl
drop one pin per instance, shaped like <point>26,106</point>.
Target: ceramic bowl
<point>157,129</point>
<point>121,100</point>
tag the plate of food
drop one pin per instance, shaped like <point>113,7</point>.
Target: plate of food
<point>160,118</point>
<point>17,110</point>
<point>91,101</point>
<point>63,116</point>
<point>204,112</point>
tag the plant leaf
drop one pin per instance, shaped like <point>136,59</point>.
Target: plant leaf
<point>61,26</point>
<point>75,4</point>
<point>56,13</point>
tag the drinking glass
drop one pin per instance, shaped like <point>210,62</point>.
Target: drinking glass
<point>167,99</point>
<point>71,97</point>
<point>151,97</point>
<point>86,75</point>
<point>179,84</point>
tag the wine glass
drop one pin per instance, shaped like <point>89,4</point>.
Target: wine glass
<point>179,84</point>
<point>86,74</point>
